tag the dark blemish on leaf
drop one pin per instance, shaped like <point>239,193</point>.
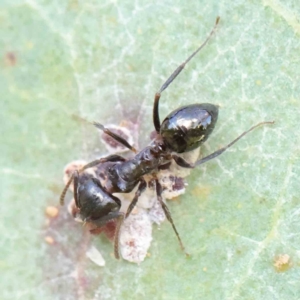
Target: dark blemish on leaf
<point>10,59</point>
<point>178,183</point>
<point>108,229</point>
<point>131,243</point>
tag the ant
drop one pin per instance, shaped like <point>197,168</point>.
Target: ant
<point>183,130</point>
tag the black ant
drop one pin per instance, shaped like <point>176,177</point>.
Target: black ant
<point>183,130</point>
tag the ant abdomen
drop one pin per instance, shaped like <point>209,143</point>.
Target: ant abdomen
<point>187,127</point>
<point>93,201</point>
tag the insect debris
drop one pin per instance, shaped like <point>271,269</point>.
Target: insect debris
<point>183,130</point>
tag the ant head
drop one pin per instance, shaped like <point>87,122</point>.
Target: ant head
<point>187,127</point>
<point>94,202</point>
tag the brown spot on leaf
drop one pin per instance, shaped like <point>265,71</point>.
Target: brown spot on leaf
<point>108,229</point>
<point>10,59</point>
<point>177,183</point>
<point>202,192</point>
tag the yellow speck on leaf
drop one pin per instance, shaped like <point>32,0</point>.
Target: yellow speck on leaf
<point>282,262</point>
<point>49,240</point>
<point>51,211</point>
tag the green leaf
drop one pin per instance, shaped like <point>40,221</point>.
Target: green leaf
<point>104,61</point>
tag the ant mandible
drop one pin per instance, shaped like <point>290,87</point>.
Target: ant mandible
<point>183,130</point>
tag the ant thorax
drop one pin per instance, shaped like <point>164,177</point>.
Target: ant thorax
<point>123,176</point>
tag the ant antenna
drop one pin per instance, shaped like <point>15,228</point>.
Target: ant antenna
<point>63,194</point>
<point>180,68</point>
<point>223,149</point>
<point>156,120</point>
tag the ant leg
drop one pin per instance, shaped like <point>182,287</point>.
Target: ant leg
<point>182,163</point>
<point>156,120</point>
<point>141,188</point>
<point>115,136</point>
<point>63,194</point>
<point>167,213</point>
<point>110,158</point>
<point>120,220</point>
